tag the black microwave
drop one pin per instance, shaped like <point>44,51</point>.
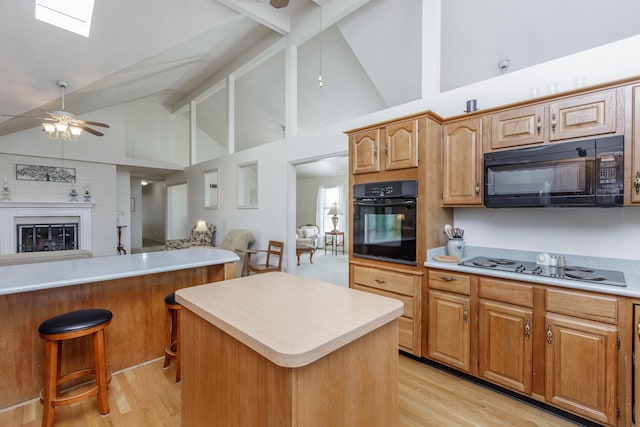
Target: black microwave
<point>578,173</point>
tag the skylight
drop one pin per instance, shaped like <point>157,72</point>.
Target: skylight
<point>70,15</point>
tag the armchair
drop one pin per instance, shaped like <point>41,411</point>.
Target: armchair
<point>307,235</point>
<point>238,241</point>
<point>196,238</point>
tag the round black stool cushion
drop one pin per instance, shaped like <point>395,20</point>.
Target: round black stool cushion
<point>171,299</point>
<point>75,321</point>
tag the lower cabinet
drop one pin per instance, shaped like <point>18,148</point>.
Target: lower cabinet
<point>404,286</point>
<point>503,330</point>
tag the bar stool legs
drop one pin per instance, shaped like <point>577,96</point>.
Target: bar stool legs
<point>172,351</point>
<point>64,327</point>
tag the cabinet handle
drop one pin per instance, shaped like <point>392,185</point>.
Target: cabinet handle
<point>386,149</point>
<point>638,329</point>
<point>553,123</point>
<point>380,281</point>
<point>477,188</point>
<point>527,330</point>
<point>549,336</point>
<point>448,279</point>
<point>636,182</point>
<point>465,313</point>
<point>375,151</point>
<point>539,125</point>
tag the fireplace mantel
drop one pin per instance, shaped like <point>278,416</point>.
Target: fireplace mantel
<point>10,211</point>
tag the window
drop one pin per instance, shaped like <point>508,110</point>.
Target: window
<point>74,16</point>
<point>327,196</point>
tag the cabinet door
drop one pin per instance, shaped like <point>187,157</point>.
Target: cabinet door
<point>522,126</point>
<point>449,336</point>
<point>401,145</point>
<point>364,151</point>
<point>581,367</point>
<point>462,163</point>
<point>505,344</point>
<point>635,159</point>
<point>584,115</point>
<point>636,367</point>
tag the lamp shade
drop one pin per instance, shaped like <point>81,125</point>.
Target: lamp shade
<point>335,209</point>
<point>201,225</point>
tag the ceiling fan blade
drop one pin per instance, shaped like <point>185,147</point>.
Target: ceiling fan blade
<point>87,122</point>
<point>27,117</point>
<point>91,131</point>
<point>279,3</point>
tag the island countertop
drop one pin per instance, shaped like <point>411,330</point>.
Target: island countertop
<point>46,275</point>
<point>290,320</point>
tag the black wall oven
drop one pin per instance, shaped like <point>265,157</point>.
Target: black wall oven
<point>384,221</point>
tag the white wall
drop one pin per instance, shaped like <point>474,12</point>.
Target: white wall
<point>99,178</point>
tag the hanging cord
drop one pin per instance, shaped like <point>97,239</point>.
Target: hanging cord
<point>320,83</point>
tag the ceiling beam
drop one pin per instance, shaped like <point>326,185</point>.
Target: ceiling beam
<point>261,12</point>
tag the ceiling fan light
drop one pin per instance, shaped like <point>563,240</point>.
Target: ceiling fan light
<point>61,126</point>
<point>48,127</point>
<point>75,130</point>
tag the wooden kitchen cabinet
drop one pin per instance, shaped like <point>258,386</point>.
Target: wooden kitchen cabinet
<point>364,151</point>
<point>632,177</point>
<point>581,357</point>
<point>450,319</point>
<point>583,115</point>
<point>518,127</point>
<point>399,285</point>
<point>391,147</point>
<point>505,334</point>
<point>462,163</point>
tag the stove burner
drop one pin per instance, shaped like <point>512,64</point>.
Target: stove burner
<point>502,261</point>
<point>487,263</point>
<point>584,275</point>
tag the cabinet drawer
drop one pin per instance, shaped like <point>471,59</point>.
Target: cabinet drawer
<point>586,306</point>
<point>405,333</point>
<point>399,283</point>
<point>505,291</point>
<point>450,282</point>
<point>408,301</point>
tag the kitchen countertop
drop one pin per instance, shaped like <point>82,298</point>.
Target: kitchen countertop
<point>630,268</point>
<point>46,275</point>
<point>290,320</point>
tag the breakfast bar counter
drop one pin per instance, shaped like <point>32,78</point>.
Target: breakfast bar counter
<point>132,287</point>
<point>278,349</point>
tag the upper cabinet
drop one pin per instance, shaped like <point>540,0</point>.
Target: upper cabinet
<point>571,117</point>
<point>520,126</point>
<point>583,115</point>
<point>633,182</point>
<point>462,163</point>
<point>390,147</point>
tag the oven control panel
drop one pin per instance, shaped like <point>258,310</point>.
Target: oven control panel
<point>385,189</point>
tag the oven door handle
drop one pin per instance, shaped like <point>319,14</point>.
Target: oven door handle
<point>406,203</point>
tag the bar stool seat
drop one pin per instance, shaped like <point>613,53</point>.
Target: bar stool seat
<point>172,351</point>
<point>65,327</point>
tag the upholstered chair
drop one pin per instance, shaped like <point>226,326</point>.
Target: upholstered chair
<point>238,241</point>
<point>307,235</point>
<point>196,238</point>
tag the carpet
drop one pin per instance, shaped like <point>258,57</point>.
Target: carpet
<point>328,268</point>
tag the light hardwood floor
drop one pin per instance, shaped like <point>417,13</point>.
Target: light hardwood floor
<point>148,396</point>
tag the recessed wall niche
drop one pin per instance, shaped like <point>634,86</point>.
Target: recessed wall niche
<point>248,185</point>
<point>211,189</point>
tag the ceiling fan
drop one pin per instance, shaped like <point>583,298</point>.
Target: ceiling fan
<point>64,125</point>
<point>278,4</point>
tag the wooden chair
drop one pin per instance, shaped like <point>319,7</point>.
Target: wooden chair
<point>274,250</point>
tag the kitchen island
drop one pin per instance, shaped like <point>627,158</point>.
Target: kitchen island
<point>132,287</point>
<point>278,349</point>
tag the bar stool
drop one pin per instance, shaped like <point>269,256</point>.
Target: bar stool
<point>172,351</point>
<point>65,327</point>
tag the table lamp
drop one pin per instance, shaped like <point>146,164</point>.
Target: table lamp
<point>335,211</point>
<point>201,227</point>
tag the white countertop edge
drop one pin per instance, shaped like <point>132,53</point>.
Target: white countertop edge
<point>290,360</point>
<point>632,278</point>
<point>47,275</point>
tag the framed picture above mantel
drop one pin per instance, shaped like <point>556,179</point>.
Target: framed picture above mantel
<point>45,173</point>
